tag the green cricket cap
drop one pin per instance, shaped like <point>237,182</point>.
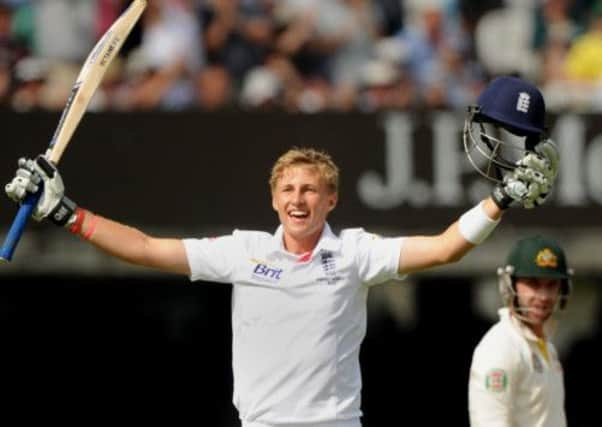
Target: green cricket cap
<point>538,256</point>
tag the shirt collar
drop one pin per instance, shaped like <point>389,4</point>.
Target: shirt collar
<point>328,241</point>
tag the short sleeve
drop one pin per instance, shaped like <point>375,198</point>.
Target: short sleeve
<point>210,259</point>
<point>377,257</point>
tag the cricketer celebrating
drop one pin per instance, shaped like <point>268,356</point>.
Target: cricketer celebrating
<point>299,295</point>
<point>516,378</point>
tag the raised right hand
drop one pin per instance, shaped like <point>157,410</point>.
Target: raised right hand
<point>30,175</point>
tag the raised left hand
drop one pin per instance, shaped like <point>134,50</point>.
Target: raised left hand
<point>530,184</point>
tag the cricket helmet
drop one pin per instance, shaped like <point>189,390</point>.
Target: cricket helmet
<point>506,122</point>
<point>539,257</point>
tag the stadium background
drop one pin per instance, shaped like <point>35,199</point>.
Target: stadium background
<point>83,334</point>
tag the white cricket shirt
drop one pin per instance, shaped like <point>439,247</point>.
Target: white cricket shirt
<point>297,322</point>
<point>511,382</point>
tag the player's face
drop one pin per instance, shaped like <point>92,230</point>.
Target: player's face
<point>303,201</point>
<point>537,297</point>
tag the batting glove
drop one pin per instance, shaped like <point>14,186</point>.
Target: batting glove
<point>33,174</point>
<point>547,149</point>
<point>530,183</point>
<point>25,181</point>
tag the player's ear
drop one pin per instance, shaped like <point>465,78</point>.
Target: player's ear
<point>332,201</point>
<point>274,204</point>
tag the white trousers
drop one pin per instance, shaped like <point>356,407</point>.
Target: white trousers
<point>344,423</point>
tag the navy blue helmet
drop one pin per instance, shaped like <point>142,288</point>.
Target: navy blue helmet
<point>506,122</point>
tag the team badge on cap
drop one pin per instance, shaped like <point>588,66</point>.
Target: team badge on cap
<point>546,258</point>
<point>496,380</point>
<point>522,104</point>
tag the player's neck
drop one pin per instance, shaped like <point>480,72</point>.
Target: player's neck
<point>538,330</point>
<point>301,245</point>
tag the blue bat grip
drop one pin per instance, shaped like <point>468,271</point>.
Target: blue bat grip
<point>18,226</point>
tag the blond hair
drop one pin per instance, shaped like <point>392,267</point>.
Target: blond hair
<point>320,160</point>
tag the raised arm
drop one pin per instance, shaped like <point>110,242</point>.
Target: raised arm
<point>132,245</point>
<point>423,252</point>
<point>527,186</point>
<point>121,241</point>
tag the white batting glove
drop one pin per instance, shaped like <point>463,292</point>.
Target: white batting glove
<point>25,181</point>
<point>540,169</point>
<point>531,182</point>
<point>549,151</point>
<point>52,203</point>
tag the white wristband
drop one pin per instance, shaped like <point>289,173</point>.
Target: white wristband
<point>475,225</point>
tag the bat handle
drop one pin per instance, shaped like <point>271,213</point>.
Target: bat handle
<point>18,226</point>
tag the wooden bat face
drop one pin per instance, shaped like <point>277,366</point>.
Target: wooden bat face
<point>90,77</point>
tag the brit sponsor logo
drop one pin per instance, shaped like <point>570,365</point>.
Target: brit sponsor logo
<point>264,272</point>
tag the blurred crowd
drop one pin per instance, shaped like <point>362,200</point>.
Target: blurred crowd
<point>302,55</point>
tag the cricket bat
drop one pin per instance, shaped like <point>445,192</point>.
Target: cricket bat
<point>83,89</point>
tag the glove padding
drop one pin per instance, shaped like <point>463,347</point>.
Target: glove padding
<point>530,183</point>
<point>549,151</point>
<point>52,204</point>
<point>25,181</point>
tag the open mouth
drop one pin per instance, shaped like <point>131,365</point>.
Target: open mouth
<point>297,214</point>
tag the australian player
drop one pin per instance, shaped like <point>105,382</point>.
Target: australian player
<point>516,378</point>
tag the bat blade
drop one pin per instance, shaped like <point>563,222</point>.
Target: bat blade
<point>83,89</point>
